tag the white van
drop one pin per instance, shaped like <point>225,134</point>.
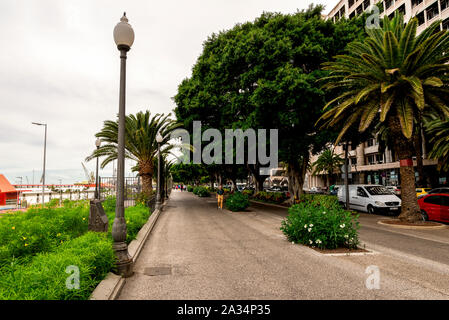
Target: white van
<point>370,198</point>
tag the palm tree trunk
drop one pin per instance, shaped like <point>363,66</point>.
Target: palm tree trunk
<point>296,171</point>
<point>147,184</point>
<point>403,147</point>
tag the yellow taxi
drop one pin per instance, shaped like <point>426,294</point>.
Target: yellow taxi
<point>422,191</point>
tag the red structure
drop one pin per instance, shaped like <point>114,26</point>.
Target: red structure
<point>8,194</point>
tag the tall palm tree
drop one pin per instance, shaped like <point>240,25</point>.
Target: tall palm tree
<point>140,143</point>
<point>327,162</point>
<point>438,129</point>
<point>393,77</point>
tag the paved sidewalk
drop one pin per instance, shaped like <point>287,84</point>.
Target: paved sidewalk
<point>216,254</point>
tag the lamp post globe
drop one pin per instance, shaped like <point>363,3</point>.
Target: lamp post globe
<point>124,38</point>
<point>123,34</point>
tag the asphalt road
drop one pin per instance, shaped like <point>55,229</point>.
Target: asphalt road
<point>214,254</point>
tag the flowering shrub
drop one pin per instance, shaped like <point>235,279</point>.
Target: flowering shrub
<point>319,226</point>
<point>237,202</point>
<point>273,197</point>
<point>248,192</point>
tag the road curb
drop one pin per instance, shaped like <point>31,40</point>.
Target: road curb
<point>111,286</point>
<point>441,226</point>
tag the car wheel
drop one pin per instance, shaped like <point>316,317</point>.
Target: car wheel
<point>371,209</point>
<point>424,216</point>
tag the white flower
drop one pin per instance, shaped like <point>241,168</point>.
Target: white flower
<point>346,236</point>
<point>311,225</point>
<point>342,225</point>
<point>305,226</point>
<point>310,241</point>
<point>310,229</point>
<point>324,212</point>
<point>293,242</point>
<point>318,241</point>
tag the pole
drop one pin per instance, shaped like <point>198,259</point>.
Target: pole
<point>346,177</point>
<point>124,261</point>
<point>96,180</point>
<point>43,172</point>
<point>158,196</point>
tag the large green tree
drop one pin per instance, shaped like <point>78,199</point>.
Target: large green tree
<point>438,129</point>
<point>140,143</point>
<point>393,77</point>
<point>263,75</point>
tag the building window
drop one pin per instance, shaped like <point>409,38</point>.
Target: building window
<point>420,17</point>
<point>353,161</point>
<point>352,14</point>
<point>359,9</point>
<point>432,11</point>
<point>371,142</point>
<point>444,4</point>
<point>366,4</point>
<point>416,3</point>
<point>379,158</point>
<point>445,24</point>
<point>401,9</point>
<point>351,3</point>
<point>342,11</point>
<point>388,4</point>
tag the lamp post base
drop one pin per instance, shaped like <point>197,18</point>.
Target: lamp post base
<point>124,262</point>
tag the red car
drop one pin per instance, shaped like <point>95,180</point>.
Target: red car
<point>435,207</point>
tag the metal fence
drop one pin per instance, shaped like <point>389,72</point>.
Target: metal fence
<point>133,187</point>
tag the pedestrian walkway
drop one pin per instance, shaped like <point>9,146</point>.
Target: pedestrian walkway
<point>200,252</point>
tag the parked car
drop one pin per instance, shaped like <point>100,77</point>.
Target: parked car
<point>435,207</point>
<point>395,189</point>
<point>422,191</point>
<point>439,190</point>
<point>370,198</point>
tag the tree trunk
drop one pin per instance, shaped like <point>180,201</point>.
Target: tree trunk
<point>403,147</point>
<point>258,178</point>
<point>296,171</point>
<point>146,172</point>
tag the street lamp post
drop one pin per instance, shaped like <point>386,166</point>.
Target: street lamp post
<point>124,38</point>
<point>97,187</point>
<point>45,152</point>
<point>159,140</point>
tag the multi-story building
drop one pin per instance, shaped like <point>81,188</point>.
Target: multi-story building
<point>427,11</point>
<point>368,165</point>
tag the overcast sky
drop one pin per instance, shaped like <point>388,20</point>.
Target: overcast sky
<point>59,65</point>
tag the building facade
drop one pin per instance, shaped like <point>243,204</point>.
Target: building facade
<point>427,11</point>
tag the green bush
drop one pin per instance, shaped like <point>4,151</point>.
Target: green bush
<point>272,197</point>
<point>248,192</point>
<point>319,226</point>
<point>327,201</point>
<point>237,202</point>
<point>201,191</point>
<point>190,188</point>
<point>44,278</point>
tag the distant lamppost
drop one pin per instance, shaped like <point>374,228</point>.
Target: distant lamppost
<point>45,152</point>
<point>97,187</point>
<point>159,140</point>
<point>124,38</point>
